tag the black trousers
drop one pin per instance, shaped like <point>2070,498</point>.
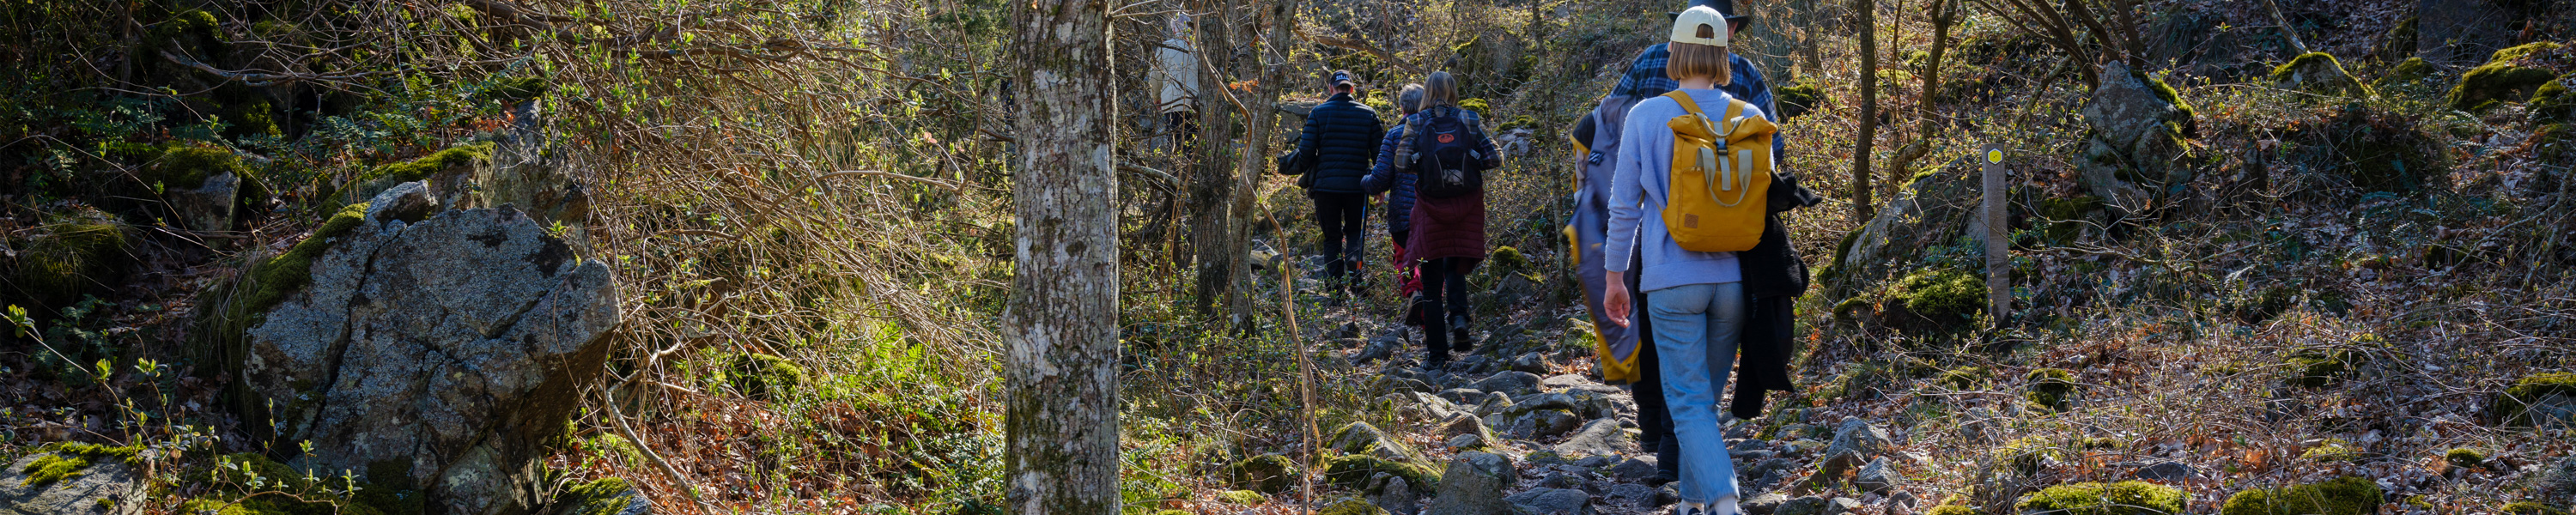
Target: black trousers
<point>1444,297</point>
<point>1344,233</point>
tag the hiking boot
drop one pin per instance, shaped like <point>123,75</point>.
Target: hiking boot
<point>1661,478</point>
<point>1435,364</point>
<point>1459,340</point>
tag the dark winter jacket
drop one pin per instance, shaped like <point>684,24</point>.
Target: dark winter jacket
<point>1774,277</point>
<point>1396,184</point>
<point>1341,140</point>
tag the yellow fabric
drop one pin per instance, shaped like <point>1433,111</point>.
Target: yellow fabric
<point>1721,171</point>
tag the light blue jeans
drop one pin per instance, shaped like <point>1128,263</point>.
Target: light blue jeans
<point>1697,327</point>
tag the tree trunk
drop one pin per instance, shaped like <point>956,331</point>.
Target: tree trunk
<point>1213,246</point>
<point>1061,324</point>
<point>1272,14</point>
<point>1867,12</point>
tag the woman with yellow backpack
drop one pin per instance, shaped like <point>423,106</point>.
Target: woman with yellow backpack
<point>1700,161</point>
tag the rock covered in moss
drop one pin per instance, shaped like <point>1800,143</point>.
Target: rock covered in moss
<point>76,250</point>
<point>1350,506</point>
<point>2141,130</point>
<point>2530,508</point>
<point>2050,388</point>
<point>2510,74</point>
<point>2408,71</point>
<point>2321,73</point>
<point>2348,495</point>
<point>2317,367</point>
<point>2465,457</point>
<point>2384,151</point>
<point>74,478</point>
<point>1800,96</point>
<point>1473,485</point>
<point>603,496</point>
<point>2552,103</point>
<point>1242,498</point>
<point>2122,498</point>
<point>453,343</point>
<point>766,377</point>
<point>1362,439</point>
<point>450,173</point>
<point>1938,300</point>
<point>2539,398</point>
<point>1267,473</point>
<point>1357,471</point>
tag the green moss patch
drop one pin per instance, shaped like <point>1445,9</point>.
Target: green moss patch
<point>2465,457</point>
<point>2064,218</point>
<point>386,175</point>
<point>2332,449</point>
<point>1967,378</point>
<point>1350,506</point>
<point>2552,103</point>
<point>1242,498</point>
<point>2514,405</point>
<point>2530,508</point>
<point>766,377</point>
<point>603,496</point>
<point>2510,74</point>
<point>2348,495</point>
<point>272,280</point>
<point>62,461</point>
<point>1939,300</point>
<point>1954,509</point>
<point>1798,98</point>
<point>2320,367</point>
<point>2122,498</point>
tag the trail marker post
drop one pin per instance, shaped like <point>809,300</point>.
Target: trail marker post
<point>1998,247</point>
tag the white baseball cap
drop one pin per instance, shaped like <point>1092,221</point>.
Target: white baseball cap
<point>1686,26</point>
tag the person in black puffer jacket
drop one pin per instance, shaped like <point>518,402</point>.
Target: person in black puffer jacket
<point>1340,141</point>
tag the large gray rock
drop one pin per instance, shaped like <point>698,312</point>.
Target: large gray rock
<point>1391,493</point>
<point>1513,382</point>
<point>450,348</point>
<point>2137,141</point>
<point>1601,437</point>
<point>1540,424</point>
<point>1634,469</point>
<point>209,206</point>
<point>1473,485</point>
<point>1806,506</point>
<point>1877,477</point>
<point>1765,504</point>
<point>1855,443</point>
<point>1553,501</point>
<point>1360,438</point>
<point>105,487</point>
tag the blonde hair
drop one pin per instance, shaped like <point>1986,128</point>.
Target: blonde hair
<point>1697,60</point>
<point>1440,89</point>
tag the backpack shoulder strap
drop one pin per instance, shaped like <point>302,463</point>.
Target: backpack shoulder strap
<point>1685,100</point>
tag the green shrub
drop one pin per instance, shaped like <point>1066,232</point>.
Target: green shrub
<point>2348,495</point>
<point>2504,77</point>
<point>766,377</point>
<point>2512,407</point>
<point>2122,498</point>
<point>2050,387</point>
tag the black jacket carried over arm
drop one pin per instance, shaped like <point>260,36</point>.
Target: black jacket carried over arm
<point>1774,277</point>
<point>1341,138</point>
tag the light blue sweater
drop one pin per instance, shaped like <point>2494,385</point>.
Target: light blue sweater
<point>1637,194</point>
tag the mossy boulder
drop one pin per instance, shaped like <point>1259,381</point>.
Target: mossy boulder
<point>2122,498</point>
<point>1267,473</point>
<point>1350,506</point>
<point>765,377</point>
<point>2552,103</point>
<point>1954,509</point>
<point>603,496</point>
<point>1937,300</point>
<point>2383,151</point>
<point>2332,449</point>
<point>2063,219</point>
<point>2465,457</point>
<point>2320,73</point>
<point>74,478</point>
<point>450,173</point>
<point>2348,495</point>
<point>2511,73</point>
<point>1354,471</point>
<point>1242,498</point>
<point>75,251</point>
<point>2139,140</point>
<point>2318,367</point>
<point>1799,97</point>
<point>1967,378</point>
<point>2539,398</point>
<point>2408,71</point>
<point>2050,388</point>
<point>58,461</point>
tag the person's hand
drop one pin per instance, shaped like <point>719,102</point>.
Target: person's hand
<point>1614,299</point>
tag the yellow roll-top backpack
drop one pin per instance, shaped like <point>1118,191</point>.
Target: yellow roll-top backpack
<point>1721,172</point>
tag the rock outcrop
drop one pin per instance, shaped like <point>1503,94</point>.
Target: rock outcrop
<point>2138,140</point>
<point>446,350</point>
<point>55,482</point>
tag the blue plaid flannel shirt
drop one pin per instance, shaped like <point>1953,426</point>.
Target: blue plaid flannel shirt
<point>1646,78</point>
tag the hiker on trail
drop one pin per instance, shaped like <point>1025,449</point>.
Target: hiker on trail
<point>1446,149</point>
<point>1699,298</point>
<point>1338,144</point>
<point>1176,75</point>
<point>1397,185</point>
<point>1600,131</point>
